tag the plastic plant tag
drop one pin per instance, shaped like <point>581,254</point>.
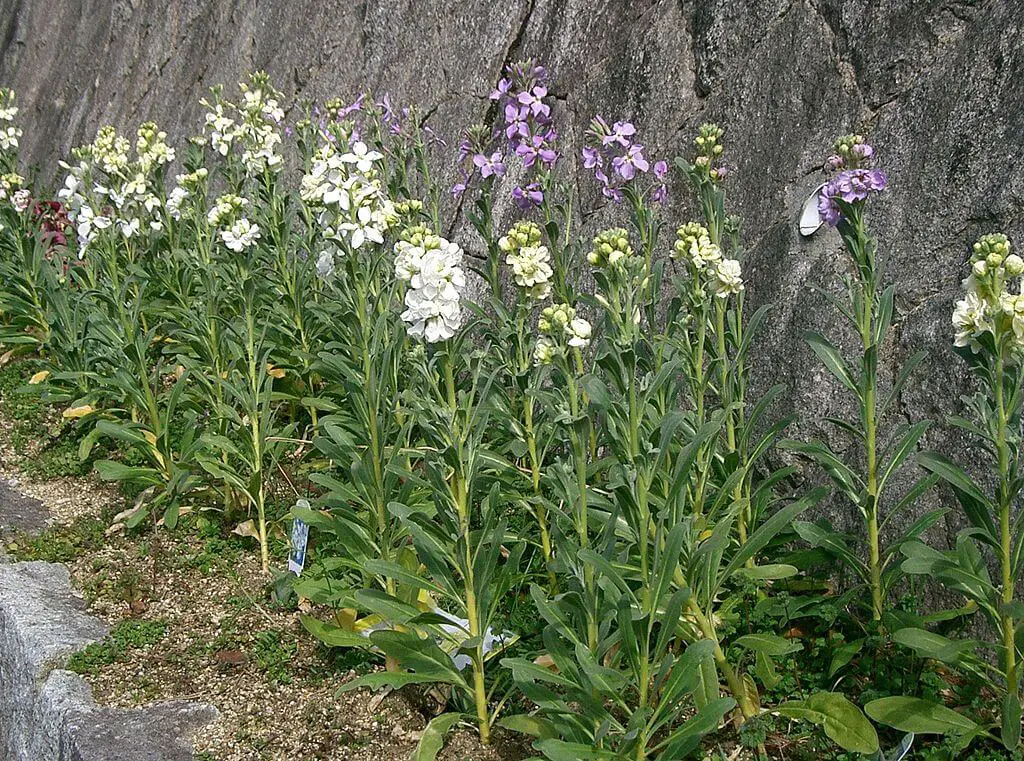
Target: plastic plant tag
<point>810,221</point>
<point>300,536</point>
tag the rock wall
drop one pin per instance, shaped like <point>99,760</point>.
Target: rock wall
<point>47,714</point>
<point>938,85</point>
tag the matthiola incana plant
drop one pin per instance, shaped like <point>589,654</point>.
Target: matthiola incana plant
<point>989,325</point>
<point>869,482</point>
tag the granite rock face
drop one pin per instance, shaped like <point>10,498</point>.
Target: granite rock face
<point>47,714</point>
<point>938,85</point>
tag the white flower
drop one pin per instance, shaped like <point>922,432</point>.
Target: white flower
<point>531,267</point>
<point>21,199</point>
<point>407,260</point>
<point>241,235</point>
<point>545,351</point>
<point>970,318</point>
<point>362,157</point>
<point>9,137</point>
<point>129,227</point>
<point>325,264</point>
<point>703,252</point>
<point>727,278</point>
<point>579,332</point>
<point>433,311</point>
<point>174,201</point>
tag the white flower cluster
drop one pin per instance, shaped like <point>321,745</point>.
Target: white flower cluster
<point>10,134</point>
<point>252,126</point>
<point>186,185</point>
<point>693,245</point>
<point>108,189</point>
<point>990,306</point>
<point>152,148</point>
<point>560,327</point>
<point>432,268</point>
<point>530,261</point>
<point>10,184</point>
<point>344,191</point>
<point>235,231</point>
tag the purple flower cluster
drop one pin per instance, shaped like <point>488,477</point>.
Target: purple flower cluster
<point>528,132</point>
<point>849,187</point>
<point>617,161</point>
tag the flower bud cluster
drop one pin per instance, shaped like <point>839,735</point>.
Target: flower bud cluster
<point>989,305</point>
<point>709,151</point>
<point>611,248</point>
<point>705,259</point>
<point>559,328</point>
<point>851,152</point>
<point>152,148</point>
<point>107,188</point>
<point>432,268</point>
<point>530,261</point>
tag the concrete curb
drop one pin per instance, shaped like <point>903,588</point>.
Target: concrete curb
<point>48,714</point>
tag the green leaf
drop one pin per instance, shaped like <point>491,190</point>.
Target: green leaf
<point>109,470</point>
<point>771,645</point>
<point>930,645</point>
<point>842,721</point>
<point>831,357</point>
<point>919,716</point>
<point>387,679</point>
<point>1010,730</point>
<point>843,655</point>
<point>535,726</point>
<point>771,572</point>
<point>432,741</point>
<point>976,505</point>
<point>560,750</point>
<point>333,635</point>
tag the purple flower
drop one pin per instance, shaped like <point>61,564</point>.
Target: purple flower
<point>659,194</point>
<point>849,187</point>
<point>460,187</point>
<point>532,99</point>
<point>530,195</point>
<point>535,148</point>
<point>591,158</point>
<point>864,150</point>
<point>621,132</point>
<point>660,169</point>
<point>516,121</point>
<point>628,165</point>
<point>488,166</point>
<point>288,131</point>
<point>502,90</point>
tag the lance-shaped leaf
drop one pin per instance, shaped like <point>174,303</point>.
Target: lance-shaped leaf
<point>842,721</point>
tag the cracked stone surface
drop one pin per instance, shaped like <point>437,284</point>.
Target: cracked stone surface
<point>47,713</point>
<point>938,85</point>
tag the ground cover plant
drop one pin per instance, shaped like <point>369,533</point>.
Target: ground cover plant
<point>539,479</point>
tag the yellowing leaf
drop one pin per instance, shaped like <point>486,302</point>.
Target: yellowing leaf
<point>274,372</point>
<point>246,529</point>
<point>150,437</point>
<point>39,377</point>
<point>73,413</point>
<point>705,534</point>
<point>6,357</point>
